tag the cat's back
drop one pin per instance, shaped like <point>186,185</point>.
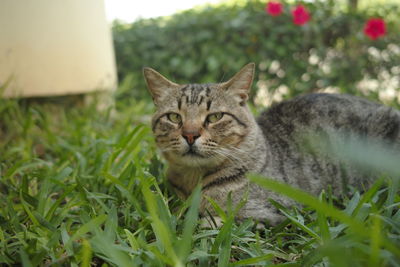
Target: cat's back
<point>336,111</point>
<point>284,123</point>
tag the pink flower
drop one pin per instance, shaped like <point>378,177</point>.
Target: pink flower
<point>375,28</point>
<point>274,8</point>
<point>300,15</point>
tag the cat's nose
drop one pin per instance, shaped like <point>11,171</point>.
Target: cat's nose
<point>191,136</point>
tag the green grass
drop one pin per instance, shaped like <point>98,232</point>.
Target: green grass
<point>80,187</point>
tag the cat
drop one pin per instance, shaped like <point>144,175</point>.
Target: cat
<point>208,135</point>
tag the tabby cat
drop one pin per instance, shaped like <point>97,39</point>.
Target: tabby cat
<point>208,135</point>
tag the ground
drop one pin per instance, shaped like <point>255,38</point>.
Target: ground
<point>85,187</point>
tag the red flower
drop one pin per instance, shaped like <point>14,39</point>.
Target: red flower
<point>274,8</point>
<point>375,28</point>
<point>300,15</point>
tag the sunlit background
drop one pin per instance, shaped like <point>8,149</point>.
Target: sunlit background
<point>129,11</point>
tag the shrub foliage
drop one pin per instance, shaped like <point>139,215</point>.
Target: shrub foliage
<point>211,43</point>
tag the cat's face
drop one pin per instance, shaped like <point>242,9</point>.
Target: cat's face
<point>200,124</point>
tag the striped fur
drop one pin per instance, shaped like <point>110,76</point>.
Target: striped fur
<point>213,139</point>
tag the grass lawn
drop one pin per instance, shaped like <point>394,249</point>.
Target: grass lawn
<point>79,187</point>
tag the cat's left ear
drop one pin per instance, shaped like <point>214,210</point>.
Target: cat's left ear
<point>240,84</point>
<point>158,85</point>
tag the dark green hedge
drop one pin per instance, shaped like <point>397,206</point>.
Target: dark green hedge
<point>212,43</point>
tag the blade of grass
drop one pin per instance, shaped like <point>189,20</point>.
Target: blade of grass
<point>253,261</point>
<point>223,233</point>
<point>220,212</point>
<point>302,197</point>
<point>162,232</point>
<point>191,220</point>
<point>367,196</point>
<point>27,210</point>
<point>86,254</point>
<point>393,192</point>
<point>309,200</point>
<point>57,203</point>
<point>302,226</point>
<point>25,259</point>
<point>323,222</point>
<point>395,224</point>
<point>113,252</point>
<point>376,241</point>
<point>223,242</point>
<point>132,240</point>
<point>87,227</point>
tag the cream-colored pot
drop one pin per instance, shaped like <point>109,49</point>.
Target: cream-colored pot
<point>55,47</point>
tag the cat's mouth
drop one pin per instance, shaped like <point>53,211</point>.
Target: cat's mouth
<point>192,153</point>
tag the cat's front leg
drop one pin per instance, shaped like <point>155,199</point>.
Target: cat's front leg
<point>218,187</point>
<point>254,199</point>
<point>220,196</point>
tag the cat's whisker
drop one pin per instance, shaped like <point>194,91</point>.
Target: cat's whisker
<point>225,157</point>
<point>238,156</point>
<point>169,148</point>
<point>241,153</point>
<point>215,153</point>
<point>225,154</point>
<point>238,153</point>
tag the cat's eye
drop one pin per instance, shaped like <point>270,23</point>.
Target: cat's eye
<point>214,117</point>
<point>174,117</point>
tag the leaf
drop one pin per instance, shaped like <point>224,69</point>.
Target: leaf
<point>191,220</point>
<point>160,229</point>
<point>302,226</point>
<point>220,212</point>
<point>86,253</point>
<point>376,241</point>
<point>323,222</point>
<point>253,261</point>
<point>87,227</point>
<point>28,211</point>
<point>302,197</point>
<point>309,200</point>
<point>367,196</point>
<point>224,241</point>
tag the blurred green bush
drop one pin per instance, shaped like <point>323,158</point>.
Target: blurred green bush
<point>210,44</point>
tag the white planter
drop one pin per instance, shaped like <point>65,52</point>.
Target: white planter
<point>55,47</point>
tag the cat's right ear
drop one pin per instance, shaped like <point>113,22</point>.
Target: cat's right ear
<point>158,85</point>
